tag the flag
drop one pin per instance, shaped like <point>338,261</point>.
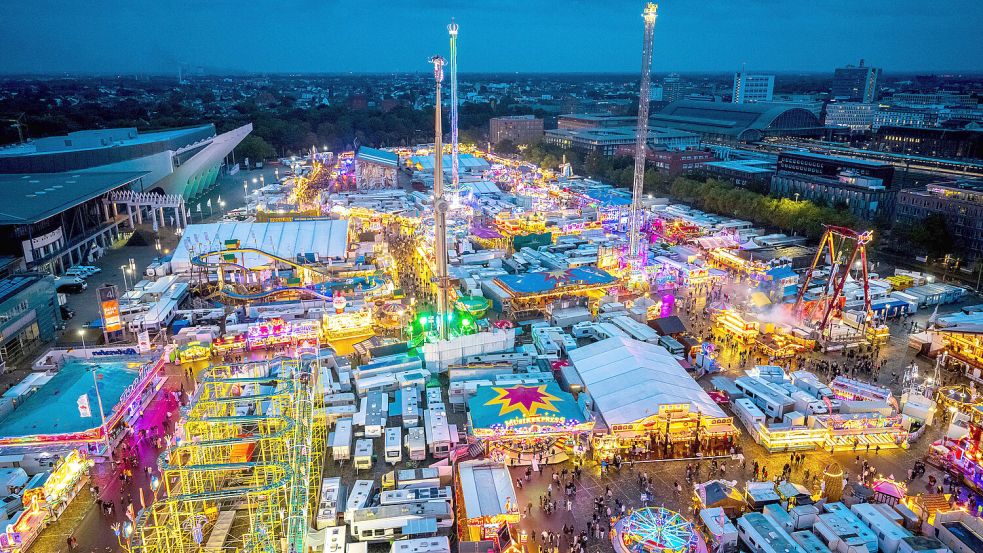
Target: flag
<point>209,203</point>
<point>198,209</point>
<point>130,514</point>
<point>143,502</point>
<point>85,411</point>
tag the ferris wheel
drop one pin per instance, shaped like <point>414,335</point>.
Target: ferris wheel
<point>657,530</point>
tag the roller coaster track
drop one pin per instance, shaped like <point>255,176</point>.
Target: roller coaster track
<point>326,288</point>
<point>277,486</point>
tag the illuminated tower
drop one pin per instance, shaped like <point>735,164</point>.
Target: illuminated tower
<point>439,206</point>
<point>455,183</point>
<point>641,133</point>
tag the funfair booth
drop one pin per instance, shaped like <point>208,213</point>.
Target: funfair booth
<point>486,504</point>
<point>646,404</point>
<point>89,403</point>
<point>525,423</point>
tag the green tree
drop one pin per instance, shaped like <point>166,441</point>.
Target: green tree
<point>506,147</point>
<point>932,235</point>
<point>254,148</point>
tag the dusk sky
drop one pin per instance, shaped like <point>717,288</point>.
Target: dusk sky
<point>128,36</point>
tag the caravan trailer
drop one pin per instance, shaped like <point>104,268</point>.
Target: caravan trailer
<point>412,495</point>
<point>363,454</point>
<point>416,444</point>
<point>341,440</point>
<point>392,522</point>
<point>332,495</point>
<point>359,497</point>
<point>394,444</point>
<point>438,433</point>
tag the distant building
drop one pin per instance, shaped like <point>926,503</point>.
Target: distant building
<point>607,140</point>
<point>185,161</point>
<point>375,169</point>
<point>56,220</point>
<point>864,187</point>
<point>573,121</point>
<point>29,315</point>
<point>856,116</point>
<point>729,123</point>
<point>672,163</point>
<point>942,143</point>
<point>752,88</point>
<point>855,83</point>
<point>903,116</point>
<point>753,174</point>
<point>515,128</point>
<point>960,202</point>
<point>672,88</point>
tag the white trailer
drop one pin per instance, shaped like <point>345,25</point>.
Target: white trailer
<point>340,440</point>
<point>438,432</point>
<point>416,444</point>
<point>359,497</point>
<point>394,444</point>
<point>363,454</point>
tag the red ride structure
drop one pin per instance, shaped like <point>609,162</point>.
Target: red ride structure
<point>836,240</point>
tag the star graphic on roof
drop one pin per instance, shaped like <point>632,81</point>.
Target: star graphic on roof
<point>560,277</point>
<point>526,399</point>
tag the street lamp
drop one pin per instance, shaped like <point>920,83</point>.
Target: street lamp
<point>125,285</point>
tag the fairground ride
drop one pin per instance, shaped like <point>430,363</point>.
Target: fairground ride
<point>238,282</point>
<point>248,452</point>
<point>836,242</point>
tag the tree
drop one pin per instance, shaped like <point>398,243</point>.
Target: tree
<point>933,235</point>
<point>255,148</point>
<point>506,147</point>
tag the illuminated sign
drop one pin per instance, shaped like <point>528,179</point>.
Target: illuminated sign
<point>109,304</point>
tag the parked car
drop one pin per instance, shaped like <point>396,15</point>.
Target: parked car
<point>66,312</point>
<point>70,284</point>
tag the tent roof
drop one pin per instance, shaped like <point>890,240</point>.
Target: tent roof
<point>495,405</point>
<point>486,487</point>
<point>630,380</point>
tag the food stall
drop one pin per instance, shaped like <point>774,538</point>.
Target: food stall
<point>523,423</point>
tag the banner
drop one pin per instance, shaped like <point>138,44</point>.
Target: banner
<point>109,305</point>
<point>85,411</point>
<point>143,341</point>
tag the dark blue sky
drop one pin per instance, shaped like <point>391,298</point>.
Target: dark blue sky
<point>126,36</point>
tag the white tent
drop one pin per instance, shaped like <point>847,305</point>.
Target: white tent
<point>324,239</point>
<point>629,380</point>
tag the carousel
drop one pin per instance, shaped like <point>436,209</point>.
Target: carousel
<point>656,530</point>
<point>530,424</point>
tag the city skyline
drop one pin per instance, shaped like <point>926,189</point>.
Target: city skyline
<point>371,37</point>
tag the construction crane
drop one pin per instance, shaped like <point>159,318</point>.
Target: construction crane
<point>439,206</point>
<point>641,132</point>
<point>836,240</point>
<point>18,122</point>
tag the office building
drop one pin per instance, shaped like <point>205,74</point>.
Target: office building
<point>515,128</point>
<point>855,83</point>
<point>29,315</point>
<point>729,123</point>
<point>608,140</point>
<point>672,88</point>
<point>753,174</point>
<point>184,161</point>
<point>936,142</point>
<point>856,116</point>
<point>574,121</point>
<point>752,88</point>
<point>959,202</point>
<point>903,116</point>
<point>863,187</point>
<point>56,220</point>
<point>673,163</point>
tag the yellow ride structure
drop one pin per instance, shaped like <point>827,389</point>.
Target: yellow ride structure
<point>249,450</point>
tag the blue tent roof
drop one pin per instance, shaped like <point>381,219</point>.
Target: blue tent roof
<point>524,405</point>
<point>537,283</point>
<point>781,273</point>
<point>377,156</point>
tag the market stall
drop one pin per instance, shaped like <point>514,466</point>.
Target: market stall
<point>525,424</point>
